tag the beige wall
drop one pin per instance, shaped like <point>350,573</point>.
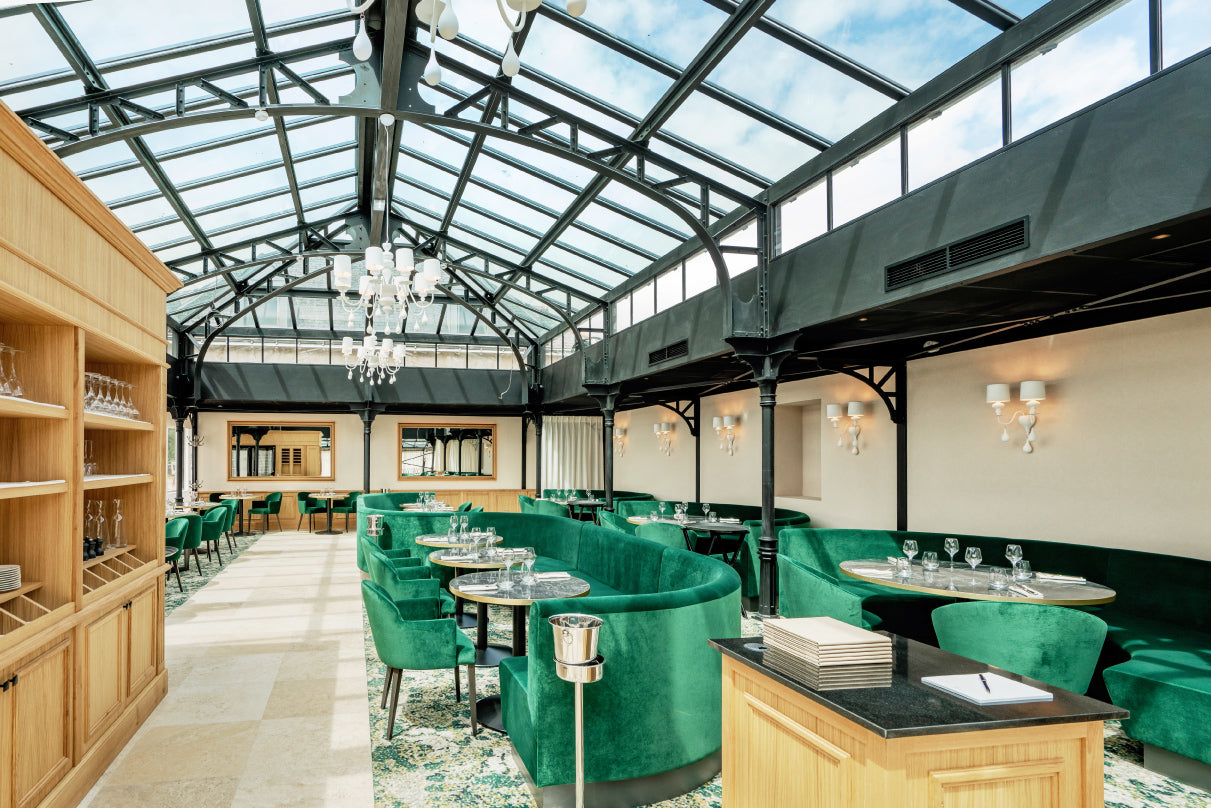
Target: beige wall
<point>1121,457</point>
<point>212,461</point>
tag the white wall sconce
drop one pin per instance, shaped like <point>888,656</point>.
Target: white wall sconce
<point>197,441</point>
<point>620,435</point>
<point>725,430</point>
<point>854,410</point>
<point>664,437</point>
<point>1031,392</point>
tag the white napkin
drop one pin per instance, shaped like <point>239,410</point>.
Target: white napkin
<point>1027,591</point>
<point>873,573</point>
<point>480,588</point>
<point>551,576</point>
<point>456,558</point>
<point>1053,576</point>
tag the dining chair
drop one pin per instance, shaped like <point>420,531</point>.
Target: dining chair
<point>408,582</point>
<point>174,536</point>
<point>271,505</point>
<point>192,540</point>
<point>409,635</point>
<point>233,512</point>
<point>308,507</point>
<point>806,592</point>
<point>525,504</point>
<point>1054,644</point>
<point>615,522</point>
<point>347,506</point>
<point>668,535</point>
<point>548,508</point>
<point>464,507</point>
<point>213,524</point>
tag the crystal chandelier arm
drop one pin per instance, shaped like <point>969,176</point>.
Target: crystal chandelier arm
<point>521,18</point>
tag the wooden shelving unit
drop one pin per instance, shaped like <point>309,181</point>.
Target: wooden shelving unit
<point>78,293</point>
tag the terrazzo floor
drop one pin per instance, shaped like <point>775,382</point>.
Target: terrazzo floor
<point>274,681</point>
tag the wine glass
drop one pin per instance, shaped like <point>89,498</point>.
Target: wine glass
<point>4,388</point>
<point>660,507</point>
<point>706,510</point>
<point>973,557</point>
<point>116,538</point>
<point>527,562</point>
<point>951,546</point>
<point>462,524</point>
<point>1013,554</point>
<point>910,549</point>
<point>14,384</point>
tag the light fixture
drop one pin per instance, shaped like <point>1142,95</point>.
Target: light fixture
<point>1031,392</point>
<point>854,410</point>
<point>725,430</point>
<point>664,437</point>
<point>1160,236</point>
<point>197,441</point>
<point>261,114</point>
<point>440,17</point>
<point>620,435</point>
<point>373,360</point>
<point>363,49</point>
<point>387,119</point>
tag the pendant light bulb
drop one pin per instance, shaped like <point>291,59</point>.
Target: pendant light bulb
<point>261,114</point>
<point>447,23</point>
<point>510,65</point>
<point>577,7</point>
<point>362,49</point>
<point>433,73</point>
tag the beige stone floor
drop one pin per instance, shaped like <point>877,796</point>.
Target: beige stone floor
<point>266,701</point>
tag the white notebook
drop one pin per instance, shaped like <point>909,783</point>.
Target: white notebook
<point>1001,690</point>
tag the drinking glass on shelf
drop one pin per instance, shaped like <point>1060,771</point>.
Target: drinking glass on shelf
<point>130,401</point>
<point>910,549</point>
<point>12,382</point>
<point>973,557</point>
<point>115,535</point>
<point>951,546</point>
<point>1013,554</point>
<point>3,373</point>
<point>102,535</point>
<point>929,561</point>
<point>90,520</point>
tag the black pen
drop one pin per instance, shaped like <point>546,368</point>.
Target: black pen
<point>984,682</point>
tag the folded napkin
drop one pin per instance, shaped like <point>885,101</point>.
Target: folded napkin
<point>457,558</point>
<point>1052,576</point>
<point>1026,591</point>
<point>731,520</point>
<point>551,576</point>
<point>480,588</point>
<point>871,572</point>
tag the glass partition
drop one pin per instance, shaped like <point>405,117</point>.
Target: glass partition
<point>454,450</point>
<point>295,451</point>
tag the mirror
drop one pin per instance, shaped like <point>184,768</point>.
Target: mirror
<point>457,450</point>
<point>295,451</point>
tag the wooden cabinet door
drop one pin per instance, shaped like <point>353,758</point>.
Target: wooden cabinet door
<point>144,633</point>
<point>104,672</point>
<point>40,731</point>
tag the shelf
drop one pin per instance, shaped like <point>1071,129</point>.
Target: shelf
<point>95,420</point>
<point>34,489</point>
<point>24,408</point>
<point>109,556</point>
<point>114,480</point>
<point>21,591</point>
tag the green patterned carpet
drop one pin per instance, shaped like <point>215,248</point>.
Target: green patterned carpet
<point>192,581</point>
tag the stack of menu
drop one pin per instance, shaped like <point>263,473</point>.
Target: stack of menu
<point>826,654</point>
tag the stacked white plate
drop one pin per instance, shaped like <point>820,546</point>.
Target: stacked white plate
<point>10,577</point>
<point>826,654</point>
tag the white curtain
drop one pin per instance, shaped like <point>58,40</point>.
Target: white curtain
<point>571,452</point>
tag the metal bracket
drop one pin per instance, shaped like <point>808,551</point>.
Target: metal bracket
<point>684,410</point>
<point>869,376</point>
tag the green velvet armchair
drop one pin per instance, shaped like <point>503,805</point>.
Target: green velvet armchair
<point>347,506</point>
<point>308,507</point>
<point>548,508</point>
<point>409,635</point>
<point>407,581</point>
<point>1053,644</point>
<point>615,522</point>
<point>526,504</point>
<point>271,505</point>
<point>668,535</point>
<point>805,592</point>
<point>175,532</point>
<point>214,522</point>
<point>192,540</point>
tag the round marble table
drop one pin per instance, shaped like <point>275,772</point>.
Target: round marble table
<point>328,531</point>
<point>962,582</point>
<point>519,597</point>
<point>445,540</point>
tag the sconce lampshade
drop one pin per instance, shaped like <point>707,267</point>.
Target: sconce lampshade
<point>834,410</point>
<point>619,432</point>
<point>855,409</point>
<point>656,428</point>
<point>729,420</point>
<point>665,428</point>
<point>997,392</point>
<point>716,422</point>
<point>1033,391</point>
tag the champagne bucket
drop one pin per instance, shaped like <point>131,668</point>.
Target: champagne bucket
<point>373,524</point>
<point>575,638</point>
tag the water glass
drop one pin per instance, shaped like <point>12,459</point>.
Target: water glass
<point>706,510</point>
<point>903,568</point>
<point>973,557</point>
<point>1022,571</point>
<point>660,507</point>
<point>712,517</point>
<point>910,549</point>
<point>504,577</point>
<point>951,546</point>
<point>453,529</point>
<point>929,561</point>
<point>998,579</point>
<point>1013,554</point>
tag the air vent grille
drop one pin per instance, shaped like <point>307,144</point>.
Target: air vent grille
<point>677,349</point>
<point>999,241</point>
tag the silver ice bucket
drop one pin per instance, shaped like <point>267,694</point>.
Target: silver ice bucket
<point>374,524</point>
<point>575,638</point>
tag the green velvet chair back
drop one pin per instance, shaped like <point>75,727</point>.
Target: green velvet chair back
<point>217,496</point>
<point>615,522</point>
<point>526,504</point>
<point>667,535</point>
<point>824,550</point>
<point>214,522</point>
<point>193,535</point>
<point>403,583</point>
<point>175,532</point>
<point>1053,644</point>
<point>464,507</point>
<point>271,504</point>
<point>547,508</point>
<point>579,493</point>
<point>233,512</point>
<point>404,636</point>
<point>304,500</point>
<point>805,592</point>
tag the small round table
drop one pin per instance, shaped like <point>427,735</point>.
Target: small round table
<point>958,583</point>
<point>590,505</point>
<point>241,498</point>
<point>519,597</point>
<point>328,531</point>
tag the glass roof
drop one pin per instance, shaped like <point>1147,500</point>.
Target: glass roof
<point>524,233</point>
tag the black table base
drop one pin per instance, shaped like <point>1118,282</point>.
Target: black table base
<point>328,531</point>
<point>490,713</point>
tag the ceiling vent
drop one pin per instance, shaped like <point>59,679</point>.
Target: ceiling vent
<point>989,244</point>
<point>674,351</point>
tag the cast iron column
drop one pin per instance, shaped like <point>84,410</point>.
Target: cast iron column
<point>367,422</point>
<point>606,396</point>
<point>538,454</point>
<point>193,448</point>
<point>767,550</point>
<point>525,427</point>
<point>180,423</point>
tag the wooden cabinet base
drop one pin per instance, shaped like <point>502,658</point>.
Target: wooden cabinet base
<point>72,788</point>
<point>781,749</point>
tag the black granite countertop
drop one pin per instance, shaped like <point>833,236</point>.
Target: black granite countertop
<point>910,708</point>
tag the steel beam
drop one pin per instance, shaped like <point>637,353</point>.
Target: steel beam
<point>989,12</point>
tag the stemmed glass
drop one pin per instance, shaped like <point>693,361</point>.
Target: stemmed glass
<point>706,510</point>
<point>910,549</point>
<point>951,546</point>
<point>974,557</point>
<point>1013,554</point>
<point>116,538</point>
<point>12,382</point>
<point>527,562</point>
<point>660,507</point>
<point>4,388</point>
<point>462,524</point>
<point>102,534</point>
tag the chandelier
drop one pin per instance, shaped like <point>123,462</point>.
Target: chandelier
<point>389,289</point>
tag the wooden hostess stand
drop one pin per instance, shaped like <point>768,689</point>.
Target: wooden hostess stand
<point>82,642</point>
<point>907,745</point>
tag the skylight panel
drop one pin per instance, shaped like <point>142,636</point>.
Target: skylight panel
<point>603,249</point>
<point>674,30</point>
<point>738,137</point>
<point>150,210</point>
<point>504,206</point>
<point>28,50</point>
<point>119,77</point>
<point>198,133</point>
<point>637,202</point>
<point>220,192</point>
<point>329,190</point>
<point>310,138</point>
<point>100,156</point>
<point>343,30</point>
<point>105,27</point>
<point>123,183</point>
<point>1187,28</point>
<point>540,190</point>
<point>507,253</point>
<point>627,229</point>
<point>314,167</point>
<point>516,239</point>
<point>220,160</point>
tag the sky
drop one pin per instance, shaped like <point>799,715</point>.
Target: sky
<point>908,41</point>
